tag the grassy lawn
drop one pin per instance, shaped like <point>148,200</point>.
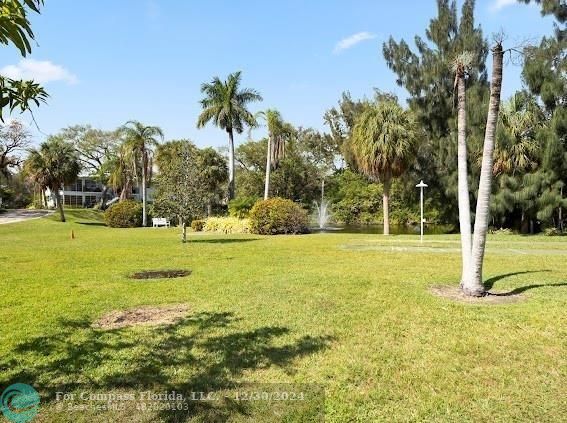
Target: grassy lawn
<point>350,313</point>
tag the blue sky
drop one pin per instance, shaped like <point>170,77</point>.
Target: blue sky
<point>105,62</point>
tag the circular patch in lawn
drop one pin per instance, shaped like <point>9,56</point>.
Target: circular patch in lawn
<point>160,274</point>
<point>148,316</point>
<point>454,293</point>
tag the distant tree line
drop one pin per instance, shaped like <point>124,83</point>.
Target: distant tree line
<point>373,147</point>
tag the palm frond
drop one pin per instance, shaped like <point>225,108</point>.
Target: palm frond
<point>224,104</point>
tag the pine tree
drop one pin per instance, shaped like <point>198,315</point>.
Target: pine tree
<point>429,78</point>
<point>545,75</point>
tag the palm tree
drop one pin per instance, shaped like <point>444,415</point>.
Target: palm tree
<point>224,104</point>
<point>472,285</point>
<point>121,176</point>
<point>384,143</point>
<point>517,159</point>
<point>516,149</point>
<point>52,166</point>
<point>460,66</point>
<point>139,139</point>
<point>278,133</point>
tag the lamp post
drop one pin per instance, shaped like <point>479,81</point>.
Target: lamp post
<point>421,185</point>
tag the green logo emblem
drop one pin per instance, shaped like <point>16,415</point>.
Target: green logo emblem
<point>19,403</point>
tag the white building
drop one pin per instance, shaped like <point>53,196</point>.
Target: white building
<point>86,192</point>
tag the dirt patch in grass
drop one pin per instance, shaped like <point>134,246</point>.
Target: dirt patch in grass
<point>454,293</point>
<point>148,316</point>
<point>160,274</point>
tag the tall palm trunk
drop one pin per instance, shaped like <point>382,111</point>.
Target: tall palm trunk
<point>268,168</point>
<point>103,197</point>
<point>231,185</point>
<point>43,198</point>
<point>560,212</point>
<point>144,165</point>
<point>473,284</point>
<point>463,178</point>
<point>124,192</point>
<point>386,204</point>
<point>59,200</point>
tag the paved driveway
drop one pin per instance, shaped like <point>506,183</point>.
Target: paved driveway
<point>12,216</point>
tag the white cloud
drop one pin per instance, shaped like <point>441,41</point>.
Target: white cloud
<point>353,40</point>
<point>499,4</point>
<point>42,71</point>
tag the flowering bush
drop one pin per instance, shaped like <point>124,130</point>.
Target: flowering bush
<point>227,225</point>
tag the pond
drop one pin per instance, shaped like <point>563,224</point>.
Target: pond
<point>379,229</point>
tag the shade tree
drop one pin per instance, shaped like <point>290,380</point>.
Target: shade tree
<point>181,187</point>
<point>97,151</point>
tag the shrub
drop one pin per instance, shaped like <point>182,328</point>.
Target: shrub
<point>501,231</point>
<point>126,214</point>
<point>197,225</point>
<point>278,216</point>
<point>240,207</point>
<point>552,232</point>
<point>227,225</point>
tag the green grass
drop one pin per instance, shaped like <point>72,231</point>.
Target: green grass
<point>350,313</point>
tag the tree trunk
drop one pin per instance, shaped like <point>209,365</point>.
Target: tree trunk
<point>385,205</point>
<point>125,192</point>
<point>473,285</point>
<point>183,231</point>
<point>463,178</point>
<point>60,205</point>
<point>231,185</point>
<point>209,209</point>
<point>103,197</point>
<point>523,228</point>
<point>144,164</point>
<point>560,212</point>
<point>268,168</point>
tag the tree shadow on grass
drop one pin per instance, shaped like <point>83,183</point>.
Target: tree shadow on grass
<point>205,352</point>
<point>92,223</point>
<point>222,240</point>
<point>522,289</point>
<point>489,283</point>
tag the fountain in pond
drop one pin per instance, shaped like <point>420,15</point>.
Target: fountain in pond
<point>322,213</point>
<point>322,208</point>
